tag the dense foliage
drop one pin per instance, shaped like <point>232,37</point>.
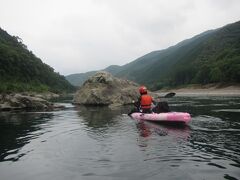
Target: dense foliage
<point>21,70</point>
<point>218,60</point>
<point>210,57</point>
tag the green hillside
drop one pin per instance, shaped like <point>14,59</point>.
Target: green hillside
<point>210,57</point>
<point>21,70</point>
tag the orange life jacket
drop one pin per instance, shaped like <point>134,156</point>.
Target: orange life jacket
<point>146,101</point>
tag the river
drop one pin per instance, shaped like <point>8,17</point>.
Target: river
<point>103,144</point>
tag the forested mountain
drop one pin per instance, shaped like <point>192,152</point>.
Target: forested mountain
<point>21,70</point>
<point>210,57</point>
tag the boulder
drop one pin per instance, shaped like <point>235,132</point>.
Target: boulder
<point>105,89</point>
<point>23,101</point>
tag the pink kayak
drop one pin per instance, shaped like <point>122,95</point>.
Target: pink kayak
<point>179,117</point>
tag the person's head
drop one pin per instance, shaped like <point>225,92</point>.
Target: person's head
<point>143,90</point>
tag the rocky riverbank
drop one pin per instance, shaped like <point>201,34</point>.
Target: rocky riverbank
<point>28,101</point>
<point>206,90</point>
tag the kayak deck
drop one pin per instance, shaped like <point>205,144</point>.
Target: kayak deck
<point>178,117</point>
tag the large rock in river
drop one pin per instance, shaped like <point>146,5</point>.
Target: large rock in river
<point>105,89</point>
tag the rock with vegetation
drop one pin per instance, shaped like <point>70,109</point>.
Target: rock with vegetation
<point>105,89</point>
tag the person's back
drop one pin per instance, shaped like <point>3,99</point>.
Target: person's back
<point>145,100</point>
<point>146,103</point>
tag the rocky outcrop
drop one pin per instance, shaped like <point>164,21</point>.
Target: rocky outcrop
<point>25,102</point>
<point>46,95</point>
<point>104,89</point>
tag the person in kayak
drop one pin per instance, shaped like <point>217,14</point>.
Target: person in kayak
<point>145,101</point>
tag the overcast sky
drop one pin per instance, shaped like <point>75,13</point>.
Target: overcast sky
<point>76,36</point>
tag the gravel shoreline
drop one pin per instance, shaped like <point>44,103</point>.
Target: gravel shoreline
<point>208,91</point>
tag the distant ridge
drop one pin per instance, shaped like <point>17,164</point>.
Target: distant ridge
<point>210,57</point>
<point>79,78</point>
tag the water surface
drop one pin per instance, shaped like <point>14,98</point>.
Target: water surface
<point>100,143</point>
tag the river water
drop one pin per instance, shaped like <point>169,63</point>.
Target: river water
<point>101,143</point>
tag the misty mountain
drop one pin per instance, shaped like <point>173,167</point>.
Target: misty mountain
<point>210,57</point>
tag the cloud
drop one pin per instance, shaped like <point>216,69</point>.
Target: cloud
<point>82,35</point>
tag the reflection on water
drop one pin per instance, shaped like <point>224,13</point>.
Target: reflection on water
<point>102,143</point>
<point>147,128</point>
<point>17,129</point>
<point>98,117</point>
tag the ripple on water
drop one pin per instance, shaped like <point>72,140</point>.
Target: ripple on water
<point>207,123</point>
<point>101,144</point>
<point>227,110</point>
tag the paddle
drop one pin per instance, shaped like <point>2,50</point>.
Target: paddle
<point>169,95</point>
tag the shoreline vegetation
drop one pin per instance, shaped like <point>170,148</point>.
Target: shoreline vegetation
<point>204,90</point>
